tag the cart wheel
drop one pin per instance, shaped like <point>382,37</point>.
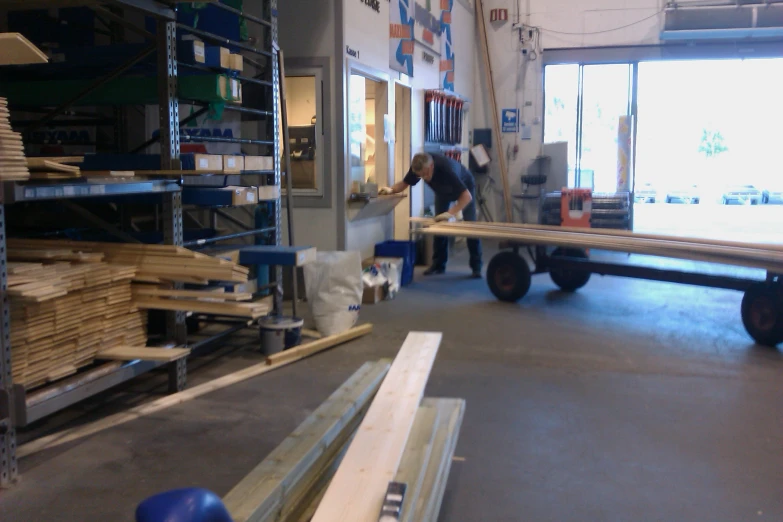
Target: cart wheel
<point>508,276</point>
<point>762,314</point>
<point>569,280</point>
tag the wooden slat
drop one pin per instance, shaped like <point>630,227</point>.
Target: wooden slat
<point>431,486</point>
<point>270,485</point>
<point>15,49</point>
<point>79,432</point>
<point>44,164</point>
<point>249,310</point>
<point>131,353</point>
<point>218,294</point>
<point>357,490</point>
<point>324,343</point>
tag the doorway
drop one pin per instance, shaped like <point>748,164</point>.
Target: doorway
<point>402,156</point>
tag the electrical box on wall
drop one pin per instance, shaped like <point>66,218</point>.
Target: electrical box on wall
<point>498,15</point>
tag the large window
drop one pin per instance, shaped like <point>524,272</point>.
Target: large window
<point>303,103</point>
<point>583,106</point>
<point>368,153</point>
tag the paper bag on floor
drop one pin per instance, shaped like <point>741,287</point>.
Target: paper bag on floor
<point>334,290</point>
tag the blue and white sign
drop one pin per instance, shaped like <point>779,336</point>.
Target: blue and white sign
<point>509,120</point>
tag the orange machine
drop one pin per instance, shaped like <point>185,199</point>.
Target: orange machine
<point>576,207</point>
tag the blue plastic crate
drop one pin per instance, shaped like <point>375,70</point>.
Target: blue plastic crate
<point>404,249</point>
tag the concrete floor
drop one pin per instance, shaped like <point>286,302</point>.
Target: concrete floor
<point>629,400</point>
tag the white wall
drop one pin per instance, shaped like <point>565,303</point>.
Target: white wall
<point>518,80</point>
<point>308,36</point>
<point>366,31</point>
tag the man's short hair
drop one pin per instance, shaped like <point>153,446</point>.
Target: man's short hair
<point>419,161</point>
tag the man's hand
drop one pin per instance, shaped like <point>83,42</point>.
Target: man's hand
<point>445,216</point>
<point>385,191</point>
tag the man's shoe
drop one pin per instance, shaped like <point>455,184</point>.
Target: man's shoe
<point>433,270</point>
<point>476,274</point>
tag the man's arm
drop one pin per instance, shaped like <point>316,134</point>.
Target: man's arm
<point>463,201</point>
<point>394,189</point>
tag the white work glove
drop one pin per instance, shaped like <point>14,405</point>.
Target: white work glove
<point>445,216</point>
<point>385,191</point>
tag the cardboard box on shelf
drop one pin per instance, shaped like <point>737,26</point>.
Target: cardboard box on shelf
<point>232,163</point>
<point>217,56</point>
<point>268,193</point>
<point>243,195</point>
<point>259,163</point>
<point>208,162</point>
<point>237,63</point>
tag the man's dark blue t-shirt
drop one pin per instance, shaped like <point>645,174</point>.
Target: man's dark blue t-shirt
<point>446,179</point>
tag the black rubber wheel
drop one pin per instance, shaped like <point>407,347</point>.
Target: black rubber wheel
<point>762,313</point>
<point>508,276</point>
<point>569,280</point>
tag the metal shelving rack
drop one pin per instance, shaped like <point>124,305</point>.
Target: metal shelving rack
<point>17,407</point>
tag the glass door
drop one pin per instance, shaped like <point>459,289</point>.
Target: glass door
<point>585,106</point>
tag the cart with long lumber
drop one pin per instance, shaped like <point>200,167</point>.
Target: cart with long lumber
<point>563,253</point>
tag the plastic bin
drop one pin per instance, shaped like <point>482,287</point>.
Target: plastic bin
<point>404,249</point>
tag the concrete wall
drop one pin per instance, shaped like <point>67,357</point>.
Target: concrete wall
<point>318,35</point>
<point>519,80</point>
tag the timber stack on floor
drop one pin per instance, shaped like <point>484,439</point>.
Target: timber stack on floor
<point>754,255</point>
<point>156,268</point>
<point>13,166</point>
<point>337,464</point>
<point>63,314</point>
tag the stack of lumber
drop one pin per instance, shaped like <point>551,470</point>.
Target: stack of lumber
<point>54,168</point>
<point>156,268</point>
<point>754,255</point>
<point>13,166</point>
<point>154,263</point>
<point>337,464</point>
<point>63,314</point>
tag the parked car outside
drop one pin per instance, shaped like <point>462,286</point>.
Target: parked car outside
<point>645,194</point>
<point>772,196</point>
<point>687,195</point>
<point>741,194</point>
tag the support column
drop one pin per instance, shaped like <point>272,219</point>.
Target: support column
<point>8,467</point>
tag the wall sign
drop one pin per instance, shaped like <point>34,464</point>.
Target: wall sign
<point>447,49</point>
<point>401,32</point>
<point>428,58</point>
<point>353,53</point>
<point>509,120</point>
<point>375,5</point>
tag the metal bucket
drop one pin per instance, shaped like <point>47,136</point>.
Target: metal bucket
<point>279,333</point>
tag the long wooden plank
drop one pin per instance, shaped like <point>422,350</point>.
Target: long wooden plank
<point>618,233</point>
<point>250,310</point>
<point>131,353</point>
<point>15,49</point>
<point>46,164</point>
<point>307,349</point>
<point>270,484</point>
<point>357,490</point>
<point>64,437</point>
<point>436,469</point>
<point>507,204</point>
<point>741,251</point>
<point>214,295</point>
<point>754,258</point>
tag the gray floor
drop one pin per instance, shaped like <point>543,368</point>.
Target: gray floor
<point>629,401</point>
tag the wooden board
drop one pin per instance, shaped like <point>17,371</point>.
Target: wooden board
<point>79,432</point>
<point>493,107</point>
<point>210,295</point>
<point>107,173</point>
<point>249,310</point>
<point>44,164</point>
<point>271,484</point>
<point>313,347</point>
<point>132,353</point>
<point>358,488</point>
<point>766,257</point>
<point>15,49</point>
